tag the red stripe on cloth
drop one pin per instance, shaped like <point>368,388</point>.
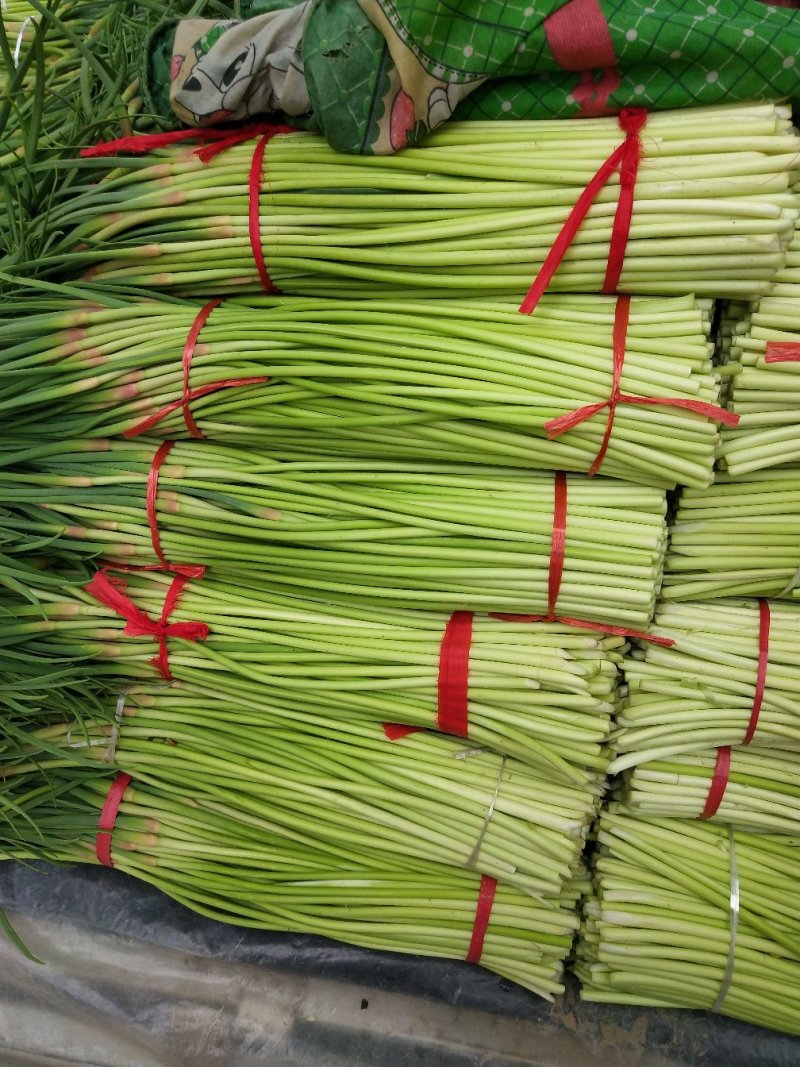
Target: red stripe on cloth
<point>483,913</point>
<point>719,783</point>
<point>562,423</point>
<point>592,93</point>
<point>453,681</point>
<point>254,214</point>
<point>108,818</point>
<point>111,592</point>
<point>782,352</point>
<point>625,159</point>
<point>190,394</point>
<point>579,37</point>
<point>761,673</point>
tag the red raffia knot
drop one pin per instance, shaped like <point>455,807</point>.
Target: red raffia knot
<point>111,592</point>
<point>190,394</point>
<point>624,159</point>
<point>215,140</point>
<point>563,423</point>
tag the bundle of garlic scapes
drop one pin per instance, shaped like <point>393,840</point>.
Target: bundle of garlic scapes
<point>443,380</point>
<point>475,209</point>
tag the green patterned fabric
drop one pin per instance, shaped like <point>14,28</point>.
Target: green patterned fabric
<point>670,55</point>
<point>380,74</point>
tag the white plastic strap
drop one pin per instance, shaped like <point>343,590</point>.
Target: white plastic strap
<point>21,38</point>
<point>111,751</point>
<point>734,924</point>
<point>473,856</point>
<point>791,585</point>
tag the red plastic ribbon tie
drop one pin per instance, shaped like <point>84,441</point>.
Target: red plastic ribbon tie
<point>562,423</point>
<point>761,674</point>
<point>558,542</point>
<point>215,140</point>
<point>625,159</point>
<point>152,506</point>
<point>719,783</point>
<point>453,680</point>
<point>187,570</point>
<point>110,591</point>
<point>452,684</point>
<point>483,912</point>
<point>556,573</point>
<point>254,214</point>
<point>108,818</point>
<point>584,624</point>
<point>190,394</point>
<point>395,730</point>
<point>782,352</point>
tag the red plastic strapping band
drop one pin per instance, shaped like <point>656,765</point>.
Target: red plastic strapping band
<point>761,673</point>
<point>624,159</point>
<point>108,818</point>
<point>395,730</point>
<point>719,783</point>
<point>558,541</point>
<point>555,427</point>
<point>110,591</point>
<point>782,352</point>
<point>254,214</point>
<point>188,570</point>
<point>219,140</point>
<point>453,681</point>
<point>190,394</point>
<point>556,573</point>
<point>483,912</point>
<point>152,501</point>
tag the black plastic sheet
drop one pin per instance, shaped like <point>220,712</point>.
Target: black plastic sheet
<point>131,979</point>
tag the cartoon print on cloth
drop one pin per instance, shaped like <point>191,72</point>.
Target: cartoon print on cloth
<point>229,70</point>
<point>427,92</point>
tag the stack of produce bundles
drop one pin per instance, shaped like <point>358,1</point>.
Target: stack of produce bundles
<point>348,665</point>
<point>265,804</point>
